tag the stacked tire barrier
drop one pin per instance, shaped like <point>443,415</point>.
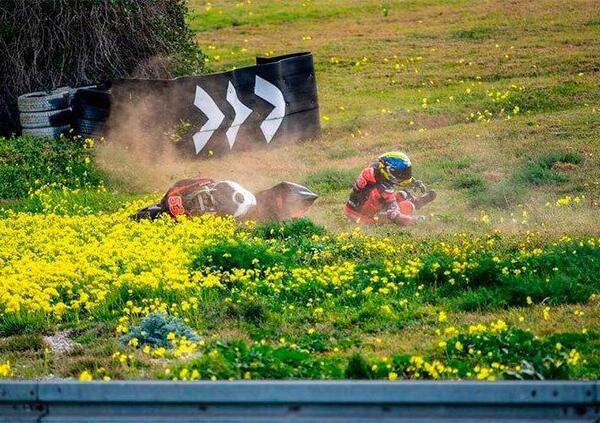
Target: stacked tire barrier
<point>52,113</point>
<point>45,114</point>
<point>254,107</point>
<point>91,108</point>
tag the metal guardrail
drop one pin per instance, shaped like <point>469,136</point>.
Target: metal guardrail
<point>299,401</point>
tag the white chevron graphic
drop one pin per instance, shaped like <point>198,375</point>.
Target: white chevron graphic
<point>241,114</point>
<point>270,93</point>
<point>215,116</point>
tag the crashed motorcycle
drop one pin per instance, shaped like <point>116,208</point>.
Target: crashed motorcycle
<point>194,197</point>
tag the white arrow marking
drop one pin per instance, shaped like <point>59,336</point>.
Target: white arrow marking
<point>270,93</point>
<point>215,116</point>
<point>241,114</point>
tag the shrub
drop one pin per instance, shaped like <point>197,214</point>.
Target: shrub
<point>22,343</point>
<point>154,330</point>
<point>254,312</point>
<point>84,42</point>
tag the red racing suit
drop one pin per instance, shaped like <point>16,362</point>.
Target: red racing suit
<point>373,195</point>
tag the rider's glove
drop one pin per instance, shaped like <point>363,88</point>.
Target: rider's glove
<point>419,185</point>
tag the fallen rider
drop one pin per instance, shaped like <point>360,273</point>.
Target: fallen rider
<point>197,196</point>
<point>374,196</point>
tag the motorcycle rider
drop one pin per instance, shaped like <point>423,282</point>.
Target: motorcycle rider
<point>373,194</point>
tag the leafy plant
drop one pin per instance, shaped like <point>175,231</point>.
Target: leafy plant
<point>154,330</point>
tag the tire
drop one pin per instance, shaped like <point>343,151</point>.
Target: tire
<point>44,119</point>
<point>87,127</point>
<point>86,111</point>
<point>48,132</point>
<point>43,101</point>
<point>92,96</point>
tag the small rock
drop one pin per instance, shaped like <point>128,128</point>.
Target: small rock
<point>60,342</point>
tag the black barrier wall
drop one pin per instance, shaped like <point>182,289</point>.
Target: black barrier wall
<point>270,103</point>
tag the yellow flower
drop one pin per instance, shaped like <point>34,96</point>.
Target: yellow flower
<point>485,218</point>
<point>5,370</point>
<point>85,376</point>
<point>546,313</point>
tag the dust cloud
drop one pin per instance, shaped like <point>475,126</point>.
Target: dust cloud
<point>143,152</point>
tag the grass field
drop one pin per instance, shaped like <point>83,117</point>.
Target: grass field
<point>496,103</point>
<point>439,80</point>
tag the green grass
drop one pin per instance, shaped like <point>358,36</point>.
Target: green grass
<point>331,180</point>
<point>477,33</point>
<point>276,321</point>
<point>541,170</point>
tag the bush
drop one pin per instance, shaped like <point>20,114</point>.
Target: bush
<point>29,162</point>
<point>22,343</point>
<point>84,42</point>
